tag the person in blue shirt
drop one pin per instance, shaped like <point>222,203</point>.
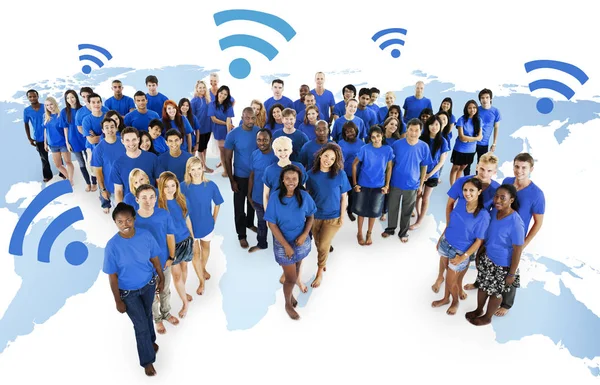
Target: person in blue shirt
<point>141,117</point>
<point>262,157</point>
<point>374,92</point>
<point>186,111</point>
<point>461,238</point>
<point>199,104</point>
<point>372,183</point>
<point>220,112</point>
<point>174,160</point>
<point>413,105</point>
<point>309,101</point>
<point>425,114</point>
<point>159,223</point>
<point>156,100</point>
<point>34,115</point>
<point>123,104</point>
<point>350,145</point>
<point>390,99</point>
<point>275,119</point>
<point>298,137</point>
<point>328,186</point>
<point>498,259</point>
<point>259,112</point>
<point>172,118</point>
<point>132,264</point>
<point>469,132</point>
<point>75,141</point>
<point>155,129</point>
<point>290,215</point>
<point>432,136</point>
<point>390,135</point>
<point>310,148</point>
<point>348,92</point>
<point>201,195</point>
<point>349,116</point>
<point>147,143</point>
<point>114,115</point>
<point>92,123</point>
<point>239,145</point>
<point>446,106</point>
<point>55,140</point>
<point>299,104</point>
<point>309,124</point>
<point>532,205</point>
<point>490,123</point>
<point>411,159</point>
<point>171,198</point>
<point>324,98</point>
<point>363,112</point>
<point>137,178</point>
<point>277,88</point>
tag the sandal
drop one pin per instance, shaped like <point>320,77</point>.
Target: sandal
<point>369,240</point>
<point>360,239</point>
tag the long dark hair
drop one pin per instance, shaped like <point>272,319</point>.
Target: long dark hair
<point>479,186</point>
<point>448,127</point>
<point>396,107</point>
<point>166,119</point>
<point>270,119</point>
<point>474,119</point>
<point>336,166</point>
<point>437,141</point>
<point>68,108</point>
<point>297,190</point>
<point>227,102</point>
<point>449,100</point>
<point>512,190</point>
<point>190,114</point>
<point>121,125</point>
<point>147,134</point>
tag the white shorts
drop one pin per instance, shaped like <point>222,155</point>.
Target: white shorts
<point>207,238</point>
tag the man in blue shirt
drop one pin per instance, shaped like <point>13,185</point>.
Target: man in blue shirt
<point>363,111</point>
<point>241,141</point>
<point>123,104</point>
<point>413,105</point>
<point>156,100</point>
<point>277,88</point>
<point>299,105</point>
<point>142,116</point>
<point>324,98</point>
<point>174,160</point>
<point>348,92</point>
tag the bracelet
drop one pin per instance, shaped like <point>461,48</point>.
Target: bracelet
<point>510,275</point>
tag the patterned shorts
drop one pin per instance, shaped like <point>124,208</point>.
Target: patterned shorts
<point>491,277</point>
<point>300,252</point>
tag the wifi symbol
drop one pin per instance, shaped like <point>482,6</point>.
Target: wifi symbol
<point>240,67</point>
<point>545,105</point>
<point>86,69</point>
<point>396,51</point>
<point>76,252</point>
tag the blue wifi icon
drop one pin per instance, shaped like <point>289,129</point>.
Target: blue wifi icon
<point>399,42</point>
<point>76,252</point>
<point>240,67</point>
<point>545,105</point>
<point>86,69</point>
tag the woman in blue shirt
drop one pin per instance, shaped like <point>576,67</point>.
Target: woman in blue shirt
<point>118,119</point>
<point>463,236</point>
<point>309,123</point>
<point>75,141</point>
<point>201,194</point>
<point>220,112</point>
<point>446,106</point>
<point>350,145</point>
<point>200,103</point>
<point>55,140</point>
<point>186,111</point>
<point>275,118</point>
<point>328,185</point>
<point>469,133</point>
<point>132,264</point>
<point>171,199</point>
<point>147,143</point>
<point>372,183</point>
<point>498,260</point>
<point>172,118</point>
<point>290,215</point>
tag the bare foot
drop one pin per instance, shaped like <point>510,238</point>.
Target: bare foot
<point>106,210</point>
<point>440,302</point>
<point>360,239</point>
<point>462,295</point>
<point>155,347</point>
<point>294,302</point>
<point>94,187</point>
<point>452,309</point>
<point>414,226</point>
<point>183,311</point>
<point>501,312</point>
<point>189,297</point>
<point>173,320</point>
<point>224,175</point>
<point>469,286</point>
<point>404,239</point>
<point>160,328</point>
<point>150,371</point>
<point>383,217</point>
<point>385,235</point>
<point>317,281</point>
<point>253,249</point>
<point>218,165</point>
<point>302,286</point>
<point>282,279</point>
<point>473,314</point>
<point>369,241</point>
<point>436,285</point>
<point>291,312</point>
<point>200,289</point>
<point>88,188</point>
<point>480,321</point>
<point>206,274</point>
<point>208,170</point>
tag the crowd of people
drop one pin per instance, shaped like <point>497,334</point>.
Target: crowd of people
<point>300,167</point>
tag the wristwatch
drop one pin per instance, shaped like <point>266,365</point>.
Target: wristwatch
<point>172,259</point>
<point>102,190</point>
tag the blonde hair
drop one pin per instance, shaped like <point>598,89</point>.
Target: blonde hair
<point>191,162</point>
<point>392,93</point>
<point>134,174</point>
<point>261,118</point>
<point>47,115</point>
<point>282,142</point>
<point>489,158</point>
<point>179,197</point>
<point>206,96</point>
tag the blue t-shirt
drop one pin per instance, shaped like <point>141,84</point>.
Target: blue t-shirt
<point>273,173</point>
<point>375,108</point>
<point>436,157</point>
<point>349,151</point>
<point>176,165</point>
<point>243,143</point>
<point>299,106</point>
<point>468,130</point>
<point>139,120</point>
<point>130,259</point>
<point>146,161</point>
<point>465,228</point>
<point>339,109</point>
<point>156,103</point>
<point>76,140</point>
<point>413,107</point>
<point>488,118</point>
<point>105,155</point>
<point>374,163</point>
<point>289,216</point>
<point>219,130</point>
<point>389,141</point>
<point>338,126</point>
<point>275,127</point>
<point>200,198</point>
<point>502,235</point>
<point>302,114</point>
<point>298,140</point>
<point>382,113</point>
<point>324,102</point>
<point>36,122</point>
<point>93,123</point>
<point>188,130</point>
<point>308,130</point>
<point>55,132</point>
<point>284,101</point>
<point>327,192</point>
<point>160,145</point>
<point>200,110</point>
<point>259,164</point>
<point>122,106</point>
<point>82,113</point>
<point>531,201</point>
<point>367,116</point>
<point>456,193</point>
<point>308,151</point>
<point>408,160</point>
<point>180,229</point>
<point>159,224</point>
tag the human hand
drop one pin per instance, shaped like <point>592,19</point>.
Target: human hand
<point>121,307</point>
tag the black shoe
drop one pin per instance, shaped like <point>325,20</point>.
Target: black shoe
<point>252,228</point>
<point>330,249</point>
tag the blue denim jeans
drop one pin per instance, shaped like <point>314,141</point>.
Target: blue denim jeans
<point>139,310</point>
<point>105,203</point>
<point>262,229</point>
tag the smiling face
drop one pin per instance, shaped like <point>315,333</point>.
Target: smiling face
<point>389,100</point>
<point>222,96</point>
<point>522,170</point>
<point>145,143</point>
<point>197,173</point>
<point>33,97</point>
<point>50,106</point>
<point>470,192</point>
<point>263,142</point>
<point>444,119</point>
<point>348,94</point>
<point>171,111</point>
<point>391,127</point>
<point>320,79</point>
<point>124,222</point>
<point>109,129</point>
<point>309,100</point>
<point>96,104</point>
<point>486,101</point>
<point>277,114</point>
<point>185,107</point>
<point>327,160</point>
<point>140,179</point>
<point>257,108</point>
<point>290,180</point>
<point>351,107</point>
<point>485,171</point>
<point>413,132</point>
<point>472,109</point>
<point>174,143</point>
<point>201,89</point>
<point>289,121</point>
<point>434,128</point>
<point>376,139</point>
<point>304,90</point>
<point>170,189</point>
<point>312,116</point>
<point>503,199</point>
<point>282,152</point>
<point>393,113</point>
<point>155,131</point>
<point>322,132</point>
<point>130,141</point>
<point>350,134</point>
<point>446,106</point>
<point>72,100</point>
<point>116,119</point>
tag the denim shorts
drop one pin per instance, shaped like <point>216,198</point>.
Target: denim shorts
<point>447,251</point>
<point>184,251</point>
<point>57,149</point>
